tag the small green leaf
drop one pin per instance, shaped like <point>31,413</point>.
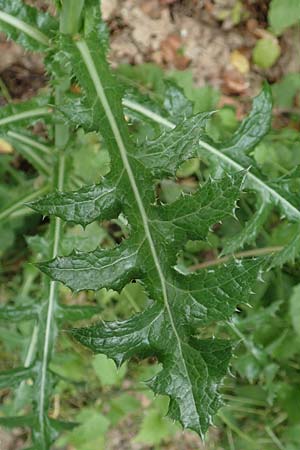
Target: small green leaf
<point>204,98</point>
<point>90,434</point>
<point>285,90</point>
<point>107,372</point>
<point>83,206</point>
<point>95,270</point>
<point>283,14</point>
<point>73,312</point>
<point>266,52</point>
<point>155,426</point>
<point>18,421</point>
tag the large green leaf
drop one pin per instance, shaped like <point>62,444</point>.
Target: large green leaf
<point>168,328</point>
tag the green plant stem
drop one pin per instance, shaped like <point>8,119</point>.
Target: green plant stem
<point>230,439</point>
<point>246,254</point>
<point>9,210</point>
<point>248,344</point>
<point>70,16</point>
<point>49,330</point>
<point>5,91</point>
<point>244,400</point>
<point>274,438</point>
<point>37,112</point>
<point>69,19</point>
<point>234,428</point>
<point>26,140</point>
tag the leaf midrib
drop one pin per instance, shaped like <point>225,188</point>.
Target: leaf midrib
<point>27,29</point>
<point>91,68</point>
<point>168,124</point>
<point>25,115</point>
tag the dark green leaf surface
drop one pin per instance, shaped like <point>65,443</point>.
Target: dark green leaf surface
<point>190,374</point>
<point>95,270</point>
<point>18,421</point>
<point>181,303</point>
<point>83,206</point>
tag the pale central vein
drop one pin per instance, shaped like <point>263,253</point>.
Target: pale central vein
<point>88,60</point>
<point>32,32</point>
<point>37,112</point>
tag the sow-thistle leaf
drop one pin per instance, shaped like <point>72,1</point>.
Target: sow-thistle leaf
<point>190,217</point>
<point>163,155</point>
<point>26,25</point>
<point>252,129</point>
<point>95,270</point>
<point>168,328</point>
<point>83,206</point>
<point>192,367</point>
<point>235,155</point>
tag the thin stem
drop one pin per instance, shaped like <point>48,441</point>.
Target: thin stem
<point>133,303</point>
<point>32,346</point>
<point>34,158</point>
<point>5,91</point>
<point>234,427</point>
<point>70,16</point>
<point>37,112</point>
<point>61,133</point>
<point>26,140</point>
<point>48,338</point>
<point>243,400</point>
<point>9,210</point>
<point>248,344</point>
<point>274,438</point>
<point>245,254</point>
<point>230,439</point>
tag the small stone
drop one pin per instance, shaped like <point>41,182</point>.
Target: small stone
<point>108,8</point>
